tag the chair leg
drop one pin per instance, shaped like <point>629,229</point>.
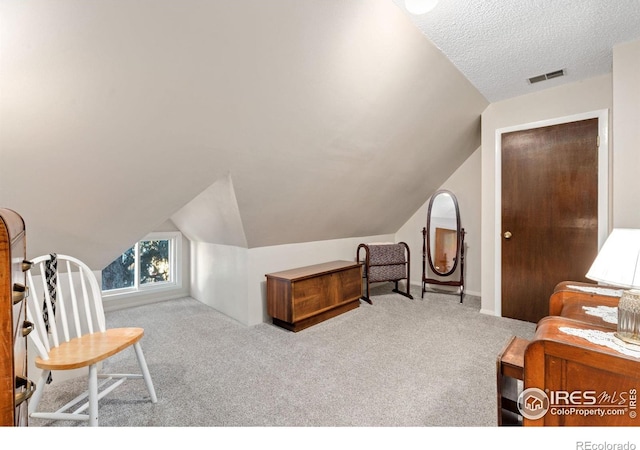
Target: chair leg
<point>365,297</point>
<point>408,289</point>
<point>93,395</point>
<point>37,395</point>
<point>407,293</point>
<point>145,372</point>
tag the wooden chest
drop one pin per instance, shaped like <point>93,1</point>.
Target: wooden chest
<point>15,388</point>
<point>305,296</point>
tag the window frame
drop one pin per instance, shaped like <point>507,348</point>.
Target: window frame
<point>175,271</point>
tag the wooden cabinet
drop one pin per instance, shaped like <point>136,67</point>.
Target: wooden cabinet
<point>305,296</point>
<point>15,388</point>
<point>576,382</point>
<point>568,379</point>
<point>510,371</point>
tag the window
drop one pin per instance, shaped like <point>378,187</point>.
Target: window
<point>151,263</point>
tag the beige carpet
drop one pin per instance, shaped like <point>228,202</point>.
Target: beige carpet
<point>396,363</point>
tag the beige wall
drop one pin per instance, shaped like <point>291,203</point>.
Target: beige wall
<point>219,278</point>
<point>553,104</point>
<point>626,135</point>
<point>465,183</point>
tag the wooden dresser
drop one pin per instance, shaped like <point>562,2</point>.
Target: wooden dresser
<point>569,297</point>
<point>580,383</point>
<point>15,388</point>
<point>305,296</point>
<point>573,372</point>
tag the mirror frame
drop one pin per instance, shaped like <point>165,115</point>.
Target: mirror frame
<point>458,233</point>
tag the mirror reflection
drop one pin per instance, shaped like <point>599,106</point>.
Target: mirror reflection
<point>443,233</point>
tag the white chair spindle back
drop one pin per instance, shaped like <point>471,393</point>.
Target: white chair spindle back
<point>74,301</point>
<point>85,300</point>
<point>78,287</point>
<point>39,334</point>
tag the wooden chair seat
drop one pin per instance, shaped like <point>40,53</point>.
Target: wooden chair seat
<point>89,349</point>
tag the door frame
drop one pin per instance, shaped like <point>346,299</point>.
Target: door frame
<point>603,184</point>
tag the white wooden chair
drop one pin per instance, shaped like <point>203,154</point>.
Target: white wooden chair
<point>77,336</point>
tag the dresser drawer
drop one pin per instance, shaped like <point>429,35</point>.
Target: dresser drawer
<point>20,362</point>
<point>14,385</point>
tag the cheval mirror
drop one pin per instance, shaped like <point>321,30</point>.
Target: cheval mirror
<point>443,244</point>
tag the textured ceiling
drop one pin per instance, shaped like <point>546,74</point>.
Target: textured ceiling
<point>498,45</point>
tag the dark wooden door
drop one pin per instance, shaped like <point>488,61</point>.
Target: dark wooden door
<point>549,213</point>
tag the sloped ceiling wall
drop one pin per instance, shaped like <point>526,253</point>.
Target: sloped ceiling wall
<point>213,216</point>
<point>333,118</point>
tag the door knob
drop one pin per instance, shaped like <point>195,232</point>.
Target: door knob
<point>507,235</point>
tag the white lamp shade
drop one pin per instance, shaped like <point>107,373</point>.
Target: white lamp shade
<point>618,262</point>
<point>418,7</point>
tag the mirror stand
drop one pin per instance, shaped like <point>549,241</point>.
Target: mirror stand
<point>450,282</point>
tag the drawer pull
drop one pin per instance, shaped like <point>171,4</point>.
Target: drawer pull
<point>27,327</point>
<point>20,292</point>
<point>26,265</point>
<point>29,388</point>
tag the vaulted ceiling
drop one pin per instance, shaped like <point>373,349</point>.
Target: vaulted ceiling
<point>326,119</point>
<point>258,123</point>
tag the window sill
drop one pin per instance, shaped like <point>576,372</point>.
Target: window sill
<point>132,292</point>
<point>128,299</point>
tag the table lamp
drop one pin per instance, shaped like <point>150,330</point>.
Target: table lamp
<point>618,264</point>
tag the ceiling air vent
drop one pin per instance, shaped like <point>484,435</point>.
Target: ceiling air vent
<point>546,76</point>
